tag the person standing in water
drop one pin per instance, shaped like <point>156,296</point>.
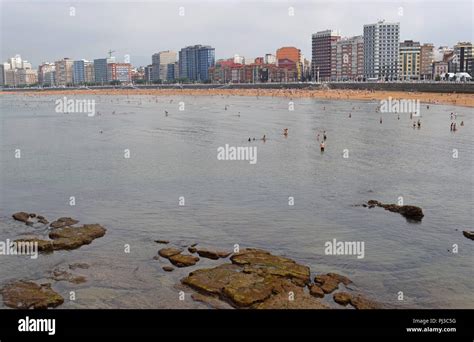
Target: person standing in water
<point>322,146</point>
<point>324,136</point>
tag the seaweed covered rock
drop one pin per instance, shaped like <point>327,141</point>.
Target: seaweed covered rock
<point>29,295</point>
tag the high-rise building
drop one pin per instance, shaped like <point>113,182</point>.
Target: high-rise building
<point>463,51</point>
<point>15,62</point>
<point>149,73</point>
<point>322,43</point>
<point>26,77</point>
<point>11,77</point>
<point>381,50</point>
<point>119,72</point>
<point>426,61</point>
<point>46,73</point>
<point>100,69</point>
<point>64,72</point>
<point>2,74</point>
<point>409,60</point>
<point>89,72</point>
<point>173,71</point>
<point>160,62</point>
<point>347,59</point>
<point>79,71</point>
<point>195,61</point>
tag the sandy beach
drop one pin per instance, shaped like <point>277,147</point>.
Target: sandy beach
<point>466,100</point>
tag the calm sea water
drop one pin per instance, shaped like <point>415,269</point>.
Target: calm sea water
<point>233,202</point>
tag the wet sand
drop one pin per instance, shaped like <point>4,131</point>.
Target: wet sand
<point>466,100</point>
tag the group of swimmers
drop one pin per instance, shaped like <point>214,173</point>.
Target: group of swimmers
<point>322,144</point>
<point>453,123</point>
<point>417,123</point>
<point>264,138</point>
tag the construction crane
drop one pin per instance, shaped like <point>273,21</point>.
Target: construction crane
<point>111,52</point>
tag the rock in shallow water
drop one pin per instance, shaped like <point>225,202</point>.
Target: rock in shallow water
<point>181,260</point>
<point>316,291</point>
<point>256,279</point>
<point>60,274</point>
<point>330,282</point>
<point>21,216</point>
<point>410,212</point>
<point>63,222</point>
<point>342,298</point>
<point>68,237</point>
<point>257,260</point>
<point>168,252</point>
<point>29,295</point>
<point>210,254</point>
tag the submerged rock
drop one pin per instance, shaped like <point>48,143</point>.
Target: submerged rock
<point>81,265</point>
<point>45,246</point>
<point>259,261</point>
<point>292,297</point>
<point>211,301</point>
<point>330,282</point>
<point>60,274</point>
<point>410,212</point>
<point>357,301</point>
<point>68,237</point>
<point>342,298</point>
<point>210,254</point>
<point>168,268</point>
<point>181,260</point>
<point>63,222</point>
<point>75,237</point>
<point>21,216</point>
<point>316,291</point>
<point>362,303</point>
<point>29,295</point>
<point>168,252</point>
<point>468,234</point>
<point>164,242</point>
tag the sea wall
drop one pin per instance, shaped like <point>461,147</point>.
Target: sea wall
<point>430,87</point>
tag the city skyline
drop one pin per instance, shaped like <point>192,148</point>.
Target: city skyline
<point>419,21</point>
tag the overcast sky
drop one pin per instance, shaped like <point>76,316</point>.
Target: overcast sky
<point>45,30</point>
